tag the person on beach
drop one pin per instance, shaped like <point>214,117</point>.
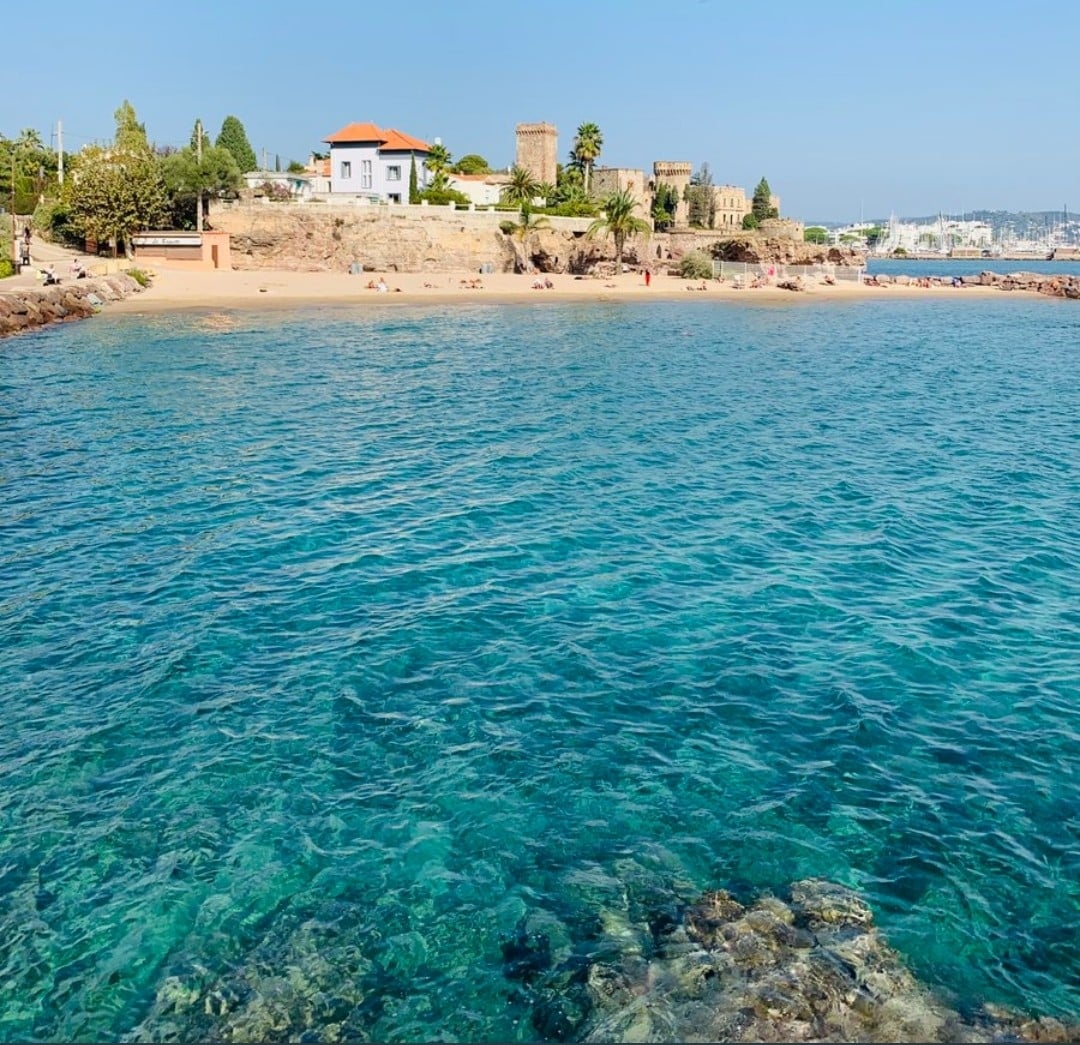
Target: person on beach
<point>648,277</point>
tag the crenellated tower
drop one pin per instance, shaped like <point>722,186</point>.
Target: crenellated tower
<point>677,174</point>
<point>538,150</point>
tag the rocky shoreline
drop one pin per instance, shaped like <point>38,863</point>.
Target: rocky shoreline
<point>1056,285</point>
<point>26,308</point>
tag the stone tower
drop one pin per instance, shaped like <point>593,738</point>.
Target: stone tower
<point>538,150</point>
<point>677,174</point>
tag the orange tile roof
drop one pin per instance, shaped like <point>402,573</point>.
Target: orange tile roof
<point>398,142</point>
<point>394,141</point>
<point>357,132</point>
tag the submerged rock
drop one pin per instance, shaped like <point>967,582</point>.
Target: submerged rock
<point>809,968</point>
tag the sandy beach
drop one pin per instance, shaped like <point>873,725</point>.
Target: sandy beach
<point>176,289</point>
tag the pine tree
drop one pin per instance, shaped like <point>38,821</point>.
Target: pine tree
<point>762,207</point>
<point>234,138</point>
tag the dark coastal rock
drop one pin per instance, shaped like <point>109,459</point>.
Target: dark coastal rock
<point>25,307</point>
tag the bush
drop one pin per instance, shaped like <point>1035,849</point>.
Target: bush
<point>52,219</point>
<point>7,268</point>
<point>507,227</point>
<point>441,197</point>
<point>274,191</point>
<point>571,209</point>
<point>749,222</point>
<point>141,276</point>
<point>696,265</point>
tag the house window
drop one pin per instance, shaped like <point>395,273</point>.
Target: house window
<point>393,174</point>
<point>365,174</point>
<point>346,169</point>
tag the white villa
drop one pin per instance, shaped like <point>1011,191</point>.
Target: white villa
<point>482,189</point>
<point>366,161</point>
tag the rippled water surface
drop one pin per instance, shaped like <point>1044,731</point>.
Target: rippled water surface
<point>354,637</point>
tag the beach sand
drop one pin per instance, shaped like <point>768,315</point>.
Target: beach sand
<point>177,289</point>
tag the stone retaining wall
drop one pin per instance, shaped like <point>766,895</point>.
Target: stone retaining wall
<point>22,308</point>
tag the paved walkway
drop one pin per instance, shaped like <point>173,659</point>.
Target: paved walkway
<point>43,254</point>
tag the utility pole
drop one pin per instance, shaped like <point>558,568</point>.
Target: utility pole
<point>198,155</point>
<point>264,158</point>
<point>60,151</point>
<point>14,227</point>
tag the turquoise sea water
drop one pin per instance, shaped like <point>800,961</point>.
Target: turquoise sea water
<point>948,267</point>
<point>335,643</point>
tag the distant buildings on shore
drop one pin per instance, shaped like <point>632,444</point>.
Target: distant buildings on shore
<point>369,164</point>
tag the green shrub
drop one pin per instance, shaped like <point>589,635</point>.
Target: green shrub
<point>52,220</point>
<point>441,197</point>
<point>7,268</point>
<point>141,276</point>
<point>507,227</point>
<point>696,265</point>
<point>571,209</point>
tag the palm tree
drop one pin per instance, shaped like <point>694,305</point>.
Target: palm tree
<point>619,220</point>
<point>523,230</point>
<point>437,162</point>
<point>587,145</point>
<point>522,189</point>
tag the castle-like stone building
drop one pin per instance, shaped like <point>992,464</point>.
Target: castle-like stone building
<point>538,151</point>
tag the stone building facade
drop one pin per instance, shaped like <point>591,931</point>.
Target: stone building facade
<point>675,173</point>
<point>538,150</point>
<point>606,180</point>
<point>732,206</point>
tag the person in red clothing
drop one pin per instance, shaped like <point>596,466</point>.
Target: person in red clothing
<point>648,277</point>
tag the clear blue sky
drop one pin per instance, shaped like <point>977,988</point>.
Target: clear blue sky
<point>847,108</point>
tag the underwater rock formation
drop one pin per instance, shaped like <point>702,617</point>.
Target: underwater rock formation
<point>812,968</point>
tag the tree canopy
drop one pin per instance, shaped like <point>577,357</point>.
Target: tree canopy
<point>130,134</point>
<point>587,145</point>
<point>188,180</point>
<point>33,167</point>
<point>522,189</point>
<point>233,137</point>
<point>700,199</point>
<point>762,207</point>
<point>665,204</point>
<point>472,164</point>
<point>114,194</point>
<point>617,218</point>
<point>815,234</point>
<point>438,163</point>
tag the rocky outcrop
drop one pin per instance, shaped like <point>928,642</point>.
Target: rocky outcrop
<point>325,238</point>
<point>23,308</point>
<point>763,250</point>
<point>1056,286</point>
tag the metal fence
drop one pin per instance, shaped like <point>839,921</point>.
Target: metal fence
<point>744,270</point>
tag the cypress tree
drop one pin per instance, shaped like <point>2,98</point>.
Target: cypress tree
<point>234,138</point>
<point>414,188</point>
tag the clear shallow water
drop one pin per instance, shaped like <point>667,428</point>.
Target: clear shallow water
<point>949,267</point>
<point>402,625</point>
